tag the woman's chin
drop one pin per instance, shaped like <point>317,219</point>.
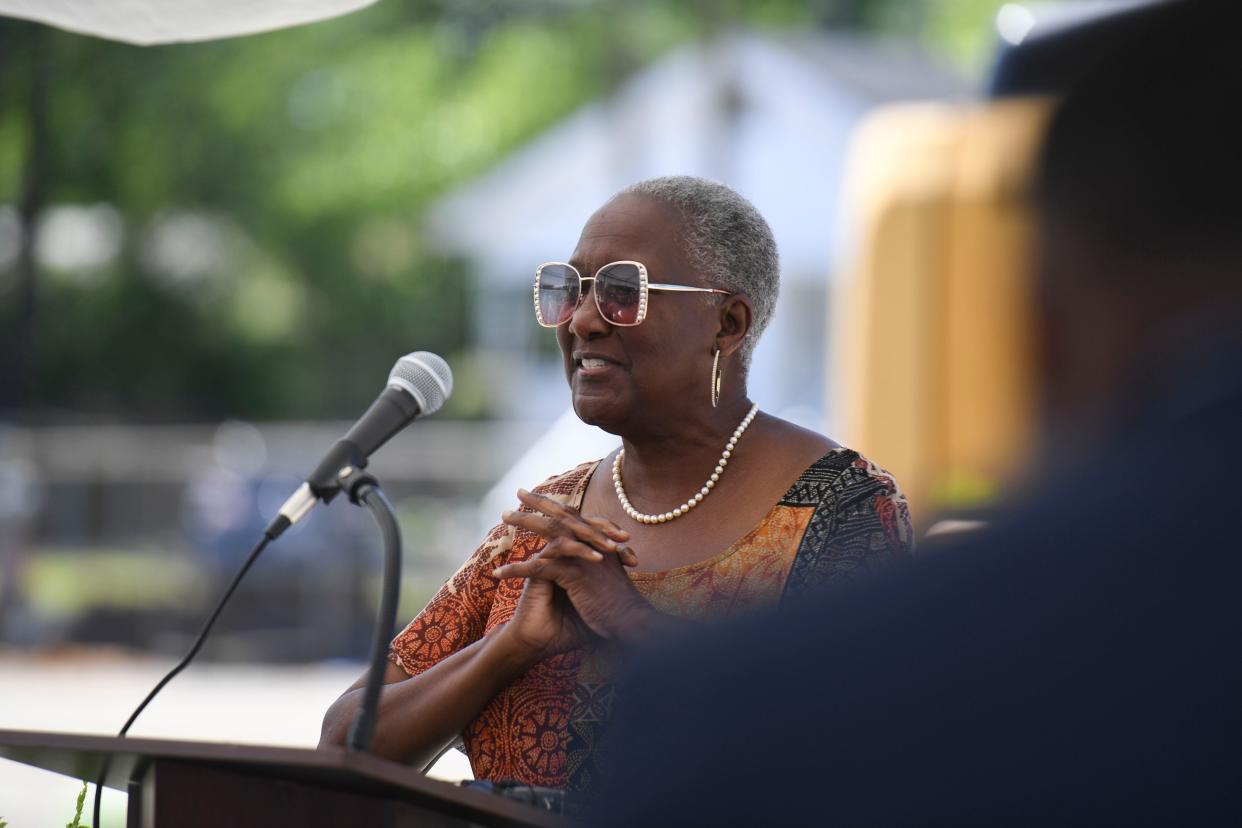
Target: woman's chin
<point>601,411</point>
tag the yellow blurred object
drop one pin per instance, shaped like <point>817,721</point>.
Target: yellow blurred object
<point>933,333</point>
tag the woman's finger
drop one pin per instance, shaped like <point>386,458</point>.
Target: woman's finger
<point>608,527</point>
<point>554,528</point>
<point>517,570</point>
<point>553,509</point>
<point>624,552</point>
<point>569,548</point>
<point>535,522</point>
<point>557,529</point>
<point>537,567</point>
<point>551,519</point>
<point>557,548</point>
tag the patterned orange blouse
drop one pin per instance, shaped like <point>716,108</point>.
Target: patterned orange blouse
<point>842,517</point>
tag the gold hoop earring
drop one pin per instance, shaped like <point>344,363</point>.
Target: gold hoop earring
<point>716,375</point>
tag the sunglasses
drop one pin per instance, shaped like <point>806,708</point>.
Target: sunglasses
<point>620,292</point>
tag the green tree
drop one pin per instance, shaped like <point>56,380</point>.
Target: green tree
<point>266,192</point>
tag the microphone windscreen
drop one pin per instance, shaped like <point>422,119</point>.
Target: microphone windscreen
<point>426,376</point>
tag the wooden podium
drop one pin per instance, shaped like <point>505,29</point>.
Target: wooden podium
<point>192,784</point>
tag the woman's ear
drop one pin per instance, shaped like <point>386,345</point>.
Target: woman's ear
<point>736,315</point>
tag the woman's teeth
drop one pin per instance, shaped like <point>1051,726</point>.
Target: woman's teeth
<point>593,363</point>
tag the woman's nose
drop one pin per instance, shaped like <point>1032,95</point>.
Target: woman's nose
<point>586,321</point>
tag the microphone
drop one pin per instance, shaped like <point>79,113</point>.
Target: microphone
<point>418,385</point>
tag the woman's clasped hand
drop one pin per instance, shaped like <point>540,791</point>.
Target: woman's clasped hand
<point>576,587</point>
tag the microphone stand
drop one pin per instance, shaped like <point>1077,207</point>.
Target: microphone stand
<point>364,490</point>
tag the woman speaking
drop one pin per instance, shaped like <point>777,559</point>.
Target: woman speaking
<point>710,507</point>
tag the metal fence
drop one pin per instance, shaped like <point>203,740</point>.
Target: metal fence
<point>125,534</point>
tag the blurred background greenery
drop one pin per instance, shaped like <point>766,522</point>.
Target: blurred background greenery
<point>253,205</point>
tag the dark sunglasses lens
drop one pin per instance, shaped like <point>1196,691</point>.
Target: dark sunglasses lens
<point>559,289</point>
<point>618,290</point>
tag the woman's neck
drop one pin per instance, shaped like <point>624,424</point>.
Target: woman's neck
<point>682,456</point>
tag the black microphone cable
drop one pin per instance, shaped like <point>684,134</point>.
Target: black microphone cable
<point>181,665</point>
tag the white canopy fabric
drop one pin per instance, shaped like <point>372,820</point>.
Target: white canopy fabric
<point>151,22</point>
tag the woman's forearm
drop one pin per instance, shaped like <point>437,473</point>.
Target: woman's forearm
<point>420,715</point>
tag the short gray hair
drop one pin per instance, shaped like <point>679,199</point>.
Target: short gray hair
<point>726,238</point>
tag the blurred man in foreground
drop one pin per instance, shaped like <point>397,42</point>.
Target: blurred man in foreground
<point>1081,661</point>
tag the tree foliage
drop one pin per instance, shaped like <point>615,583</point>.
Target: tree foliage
<point>268,192</point>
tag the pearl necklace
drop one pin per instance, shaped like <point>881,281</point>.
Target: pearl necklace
<point>698,497</point>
